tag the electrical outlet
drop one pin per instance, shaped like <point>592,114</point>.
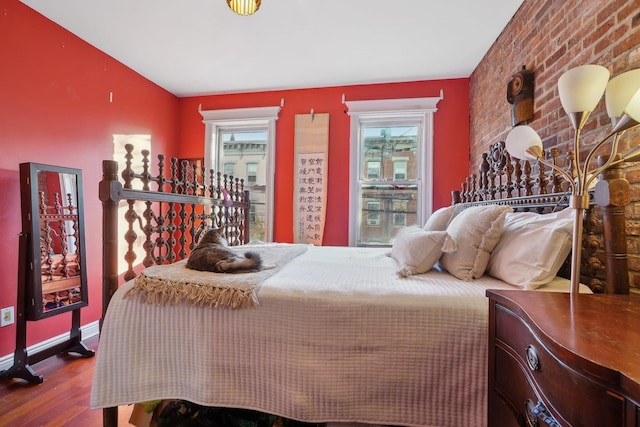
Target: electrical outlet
<point>6,316</point>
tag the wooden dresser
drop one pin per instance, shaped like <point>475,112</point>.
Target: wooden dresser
<point>558,360</point>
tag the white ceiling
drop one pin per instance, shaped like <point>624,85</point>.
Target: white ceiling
<point>196,47</point>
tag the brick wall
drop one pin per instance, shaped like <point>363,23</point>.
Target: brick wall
<point>550,37</point>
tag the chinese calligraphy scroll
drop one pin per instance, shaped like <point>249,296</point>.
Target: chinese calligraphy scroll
<point>311,148</point>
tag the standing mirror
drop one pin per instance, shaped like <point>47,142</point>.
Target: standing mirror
<point>52,276</point>
<point>53,220</point>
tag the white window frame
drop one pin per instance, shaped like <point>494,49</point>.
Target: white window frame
<point>242,119</point>
<point>362,112</point>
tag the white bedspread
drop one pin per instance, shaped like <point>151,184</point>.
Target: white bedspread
<point>337,337</point>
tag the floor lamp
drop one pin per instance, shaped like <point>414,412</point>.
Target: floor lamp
<point>580,90</point>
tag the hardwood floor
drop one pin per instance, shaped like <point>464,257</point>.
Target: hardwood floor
<point>62,400</point>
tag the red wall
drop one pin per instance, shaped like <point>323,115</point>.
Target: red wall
<point>451,136</point>
<point>55,109</point>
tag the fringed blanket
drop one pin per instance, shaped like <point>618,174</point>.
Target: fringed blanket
<point>175,284</point>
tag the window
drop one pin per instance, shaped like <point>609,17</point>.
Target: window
<point>373,213</point>
<point>246,136</point>
<point>252,172</point>
<point>373,169</point>
<point>399,169</point>
<point>391,167</point>
<point>399,213</point>
<point>139,142</point>
<point>229,168</point>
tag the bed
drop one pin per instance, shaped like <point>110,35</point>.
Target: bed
<point>330,334</point>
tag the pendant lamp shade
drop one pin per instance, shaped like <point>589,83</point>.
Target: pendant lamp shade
<point>524,143</point>
<point>581,88</point>
<point>244,7</point>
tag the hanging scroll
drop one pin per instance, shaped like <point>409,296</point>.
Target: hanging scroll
<point>310,197</point>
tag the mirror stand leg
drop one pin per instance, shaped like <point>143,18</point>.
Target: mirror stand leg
<point>75,343</point>
<point>81,349</point>
<point>21,369</point>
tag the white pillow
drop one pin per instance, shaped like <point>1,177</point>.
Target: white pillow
<point>476,231</point>
<point>532,248</point>
<point>438,220</point>
<point>417,250</point>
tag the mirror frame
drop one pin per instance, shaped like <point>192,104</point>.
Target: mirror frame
<point>30,201</point>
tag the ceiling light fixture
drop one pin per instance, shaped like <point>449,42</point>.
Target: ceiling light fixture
<point>244,7</point>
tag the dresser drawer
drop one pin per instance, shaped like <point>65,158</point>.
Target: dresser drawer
<point>513,389</point>
<point>521,357</point>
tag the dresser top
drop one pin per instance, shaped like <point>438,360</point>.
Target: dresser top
<point>597,334</point>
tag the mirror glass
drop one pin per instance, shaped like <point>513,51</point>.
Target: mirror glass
<point>54,221</point>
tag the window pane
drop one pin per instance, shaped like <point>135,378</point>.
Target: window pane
<point>248,148</point>
<point>385,210</point>
<point>245,152</point>
<point>388,146</point>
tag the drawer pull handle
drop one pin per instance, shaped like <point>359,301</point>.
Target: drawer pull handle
<point>532,358</point>
<point>539,412</point>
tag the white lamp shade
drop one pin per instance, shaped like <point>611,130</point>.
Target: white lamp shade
<point>523,143</point>
<point>633,108</point>
<point>582,87</point>
<point>630,116</point>
<point>621,90</point>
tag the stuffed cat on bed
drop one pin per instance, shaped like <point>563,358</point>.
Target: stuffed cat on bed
<point>213,254</point>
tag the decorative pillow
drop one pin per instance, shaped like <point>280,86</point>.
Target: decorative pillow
<point>439,219</point>
<point>476,230</point>
<point>532,248</point>
<point>417,250</point>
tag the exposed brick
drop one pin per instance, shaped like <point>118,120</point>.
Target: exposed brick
<point>633,175</point>
<point>606,13</point>
<point>633,262</point>
<point>550,37</point>
<point>633,59</point>
<point>635,21</point>
<point>610,37</point>
<point>628,42</point>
